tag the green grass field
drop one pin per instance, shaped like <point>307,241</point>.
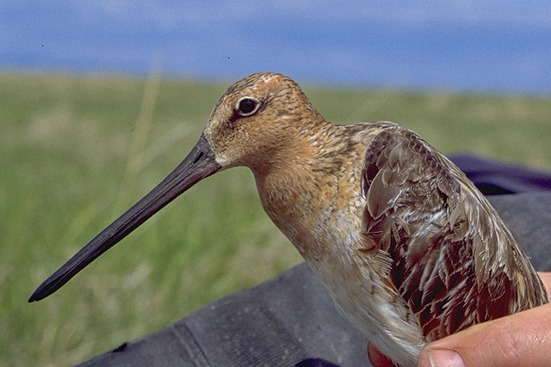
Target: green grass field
<point>77,151</point>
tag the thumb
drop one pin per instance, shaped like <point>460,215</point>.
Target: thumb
<point>522,339</point>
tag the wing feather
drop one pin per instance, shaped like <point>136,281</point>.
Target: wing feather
<point>454,261</point>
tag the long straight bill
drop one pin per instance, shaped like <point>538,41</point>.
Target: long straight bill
<point>198,164</point>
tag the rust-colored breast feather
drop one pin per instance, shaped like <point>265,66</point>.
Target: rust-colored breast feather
<point>453,260</point>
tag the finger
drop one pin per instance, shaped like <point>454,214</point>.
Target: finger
<point>522,339</point>
<point>546,279</point>
<point>377,358</point>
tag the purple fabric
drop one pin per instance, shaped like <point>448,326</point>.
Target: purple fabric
<point>496,178</point>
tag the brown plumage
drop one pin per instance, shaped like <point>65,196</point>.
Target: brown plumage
<point>455,263</point>
<point>405,244</point>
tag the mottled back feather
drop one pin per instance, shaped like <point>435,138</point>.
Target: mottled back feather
<point>454,262</point>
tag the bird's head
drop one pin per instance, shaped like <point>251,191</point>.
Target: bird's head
<point>256,118</point>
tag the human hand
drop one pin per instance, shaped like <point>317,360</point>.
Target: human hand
<point>522,339</point>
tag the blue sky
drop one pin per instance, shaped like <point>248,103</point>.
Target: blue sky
<point>455,45</point>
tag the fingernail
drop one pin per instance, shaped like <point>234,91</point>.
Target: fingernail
<point>445,358</point>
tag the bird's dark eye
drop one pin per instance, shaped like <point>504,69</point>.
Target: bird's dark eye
<point>247,106</point>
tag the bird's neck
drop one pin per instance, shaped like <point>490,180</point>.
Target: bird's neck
<point>313,183</point>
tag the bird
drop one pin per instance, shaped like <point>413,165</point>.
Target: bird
<point>407,247</point>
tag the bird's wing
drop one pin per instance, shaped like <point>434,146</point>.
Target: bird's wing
<point>453,260</point>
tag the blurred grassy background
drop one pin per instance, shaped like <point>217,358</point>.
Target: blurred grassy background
<point>77,151</point>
